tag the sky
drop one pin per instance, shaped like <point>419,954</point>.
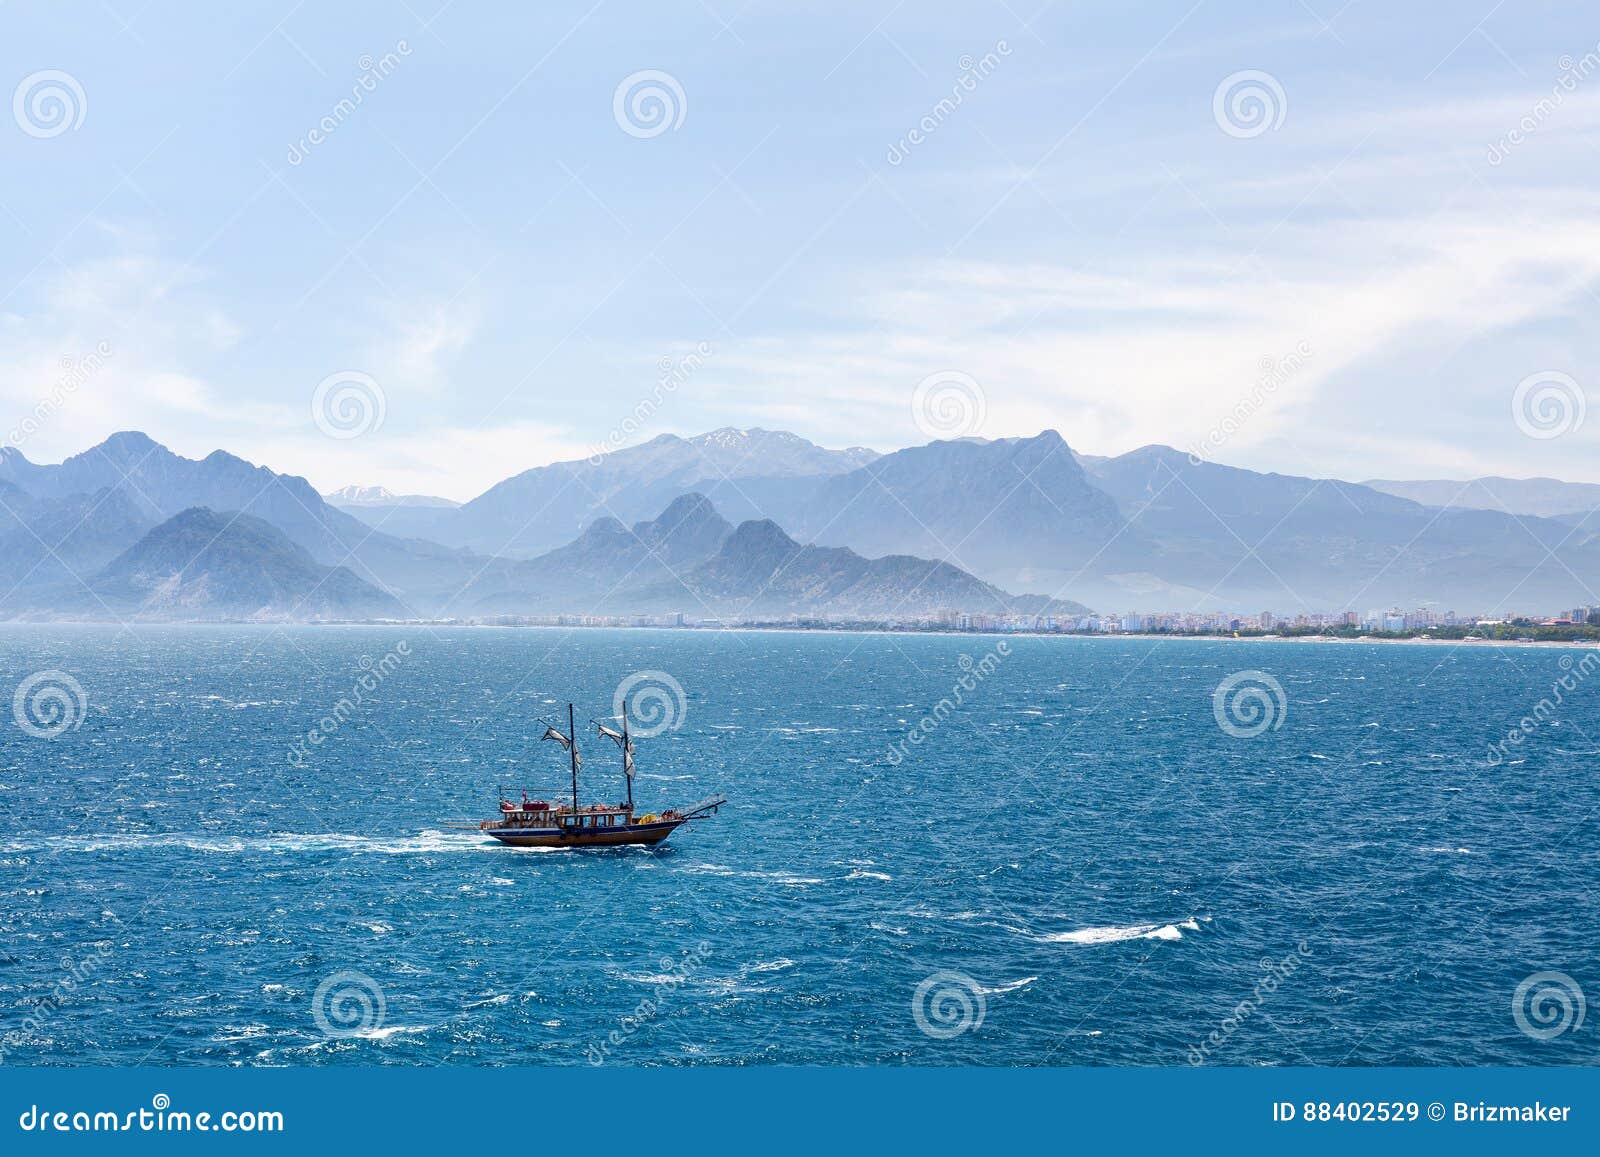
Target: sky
<point>427,245</point>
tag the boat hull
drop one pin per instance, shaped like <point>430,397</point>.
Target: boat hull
<point>632,834</point>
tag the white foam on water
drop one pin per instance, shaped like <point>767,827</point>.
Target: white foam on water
<point>1116,934</point>
<point>777,965</point>
<point>651,978</point>
<point>1010,986</point>
<point>859,874</point>
<point>387,1031</point>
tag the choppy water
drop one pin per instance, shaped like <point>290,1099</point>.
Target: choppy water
<point>1078,852</point>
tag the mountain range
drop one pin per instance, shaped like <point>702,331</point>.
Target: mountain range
<point>738,524</point>
<point>130,530</point>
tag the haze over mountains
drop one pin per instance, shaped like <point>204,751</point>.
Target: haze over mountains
<point>740,524</point>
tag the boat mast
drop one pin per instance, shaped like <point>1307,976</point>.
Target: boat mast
<point>572,737</point>
<point>627,767</point>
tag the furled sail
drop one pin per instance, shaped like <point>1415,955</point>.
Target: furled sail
<point>623,742</point>
<point>566,744</point>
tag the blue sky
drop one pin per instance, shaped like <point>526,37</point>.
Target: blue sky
<point>1082,238</point>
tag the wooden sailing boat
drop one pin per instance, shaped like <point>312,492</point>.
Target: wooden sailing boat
<point>539,824</point>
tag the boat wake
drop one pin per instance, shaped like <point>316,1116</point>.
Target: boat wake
<point>428,842</point>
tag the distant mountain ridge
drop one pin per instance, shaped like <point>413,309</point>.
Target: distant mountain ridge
<point>1539,497</point>
<point>691,560</point>
<point>129,529</point>
<point>200,564</point>
<point>364,497</point>
<point>690,523</point>
<point>531,512</point>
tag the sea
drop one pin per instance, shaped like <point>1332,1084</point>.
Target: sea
<point>258,846</point>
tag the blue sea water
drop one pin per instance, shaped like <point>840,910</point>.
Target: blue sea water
<point>1077,864</point>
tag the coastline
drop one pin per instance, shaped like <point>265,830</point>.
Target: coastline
<point>785,629</point>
